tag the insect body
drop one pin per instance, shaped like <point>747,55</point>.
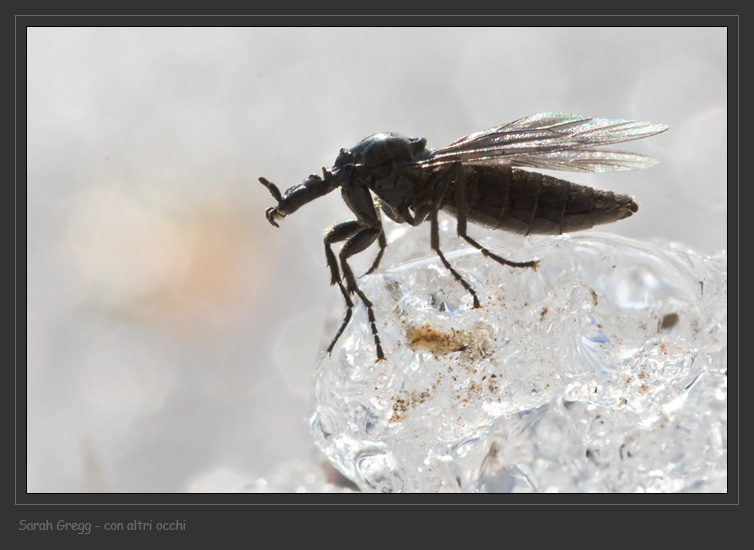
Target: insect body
<point>476,179</point>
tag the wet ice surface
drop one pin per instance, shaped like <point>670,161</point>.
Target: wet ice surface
<point>603,371</point>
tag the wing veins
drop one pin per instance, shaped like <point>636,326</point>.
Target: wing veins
<point>560,142</point>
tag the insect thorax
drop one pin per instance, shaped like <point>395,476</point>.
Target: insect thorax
<point>395,188</point>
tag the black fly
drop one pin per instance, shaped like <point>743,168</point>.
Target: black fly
<point>474,180</point>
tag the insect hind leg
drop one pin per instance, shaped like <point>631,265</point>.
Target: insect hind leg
<point>534,264</point>
<point>462,223</point>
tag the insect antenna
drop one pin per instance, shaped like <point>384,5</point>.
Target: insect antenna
<point>272,188</point>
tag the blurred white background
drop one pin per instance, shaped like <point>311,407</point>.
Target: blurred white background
<point>172,332</point>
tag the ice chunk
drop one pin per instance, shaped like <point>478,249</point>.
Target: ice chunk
<point>602,371</point>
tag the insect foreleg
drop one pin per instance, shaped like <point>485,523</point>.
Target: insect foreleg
<point>361,234</point>
<point>382,241</point>
<point>335,234</point>
<point>461,217</point>
<point>359,238</point>
<point>359,242</point>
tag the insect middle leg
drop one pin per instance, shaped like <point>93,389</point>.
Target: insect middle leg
<point>435,243</point>
<point>442,181</point>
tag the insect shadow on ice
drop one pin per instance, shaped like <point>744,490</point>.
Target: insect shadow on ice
<point>477,179</point>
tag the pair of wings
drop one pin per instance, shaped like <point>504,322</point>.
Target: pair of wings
<point>555,141</point>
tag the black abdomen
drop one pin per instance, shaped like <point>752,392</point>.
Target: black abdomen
<point>531,203</point>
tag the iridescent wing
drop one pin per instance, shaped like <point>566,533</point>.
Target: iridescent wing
<point>555,141</point>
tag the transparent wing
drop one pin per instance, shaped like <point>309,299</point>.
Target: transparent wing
<point>555,141</point>
<point>573,160</point>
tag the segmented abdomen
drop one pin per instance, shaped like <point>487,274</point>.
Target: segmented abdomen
<point>531,203</point>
